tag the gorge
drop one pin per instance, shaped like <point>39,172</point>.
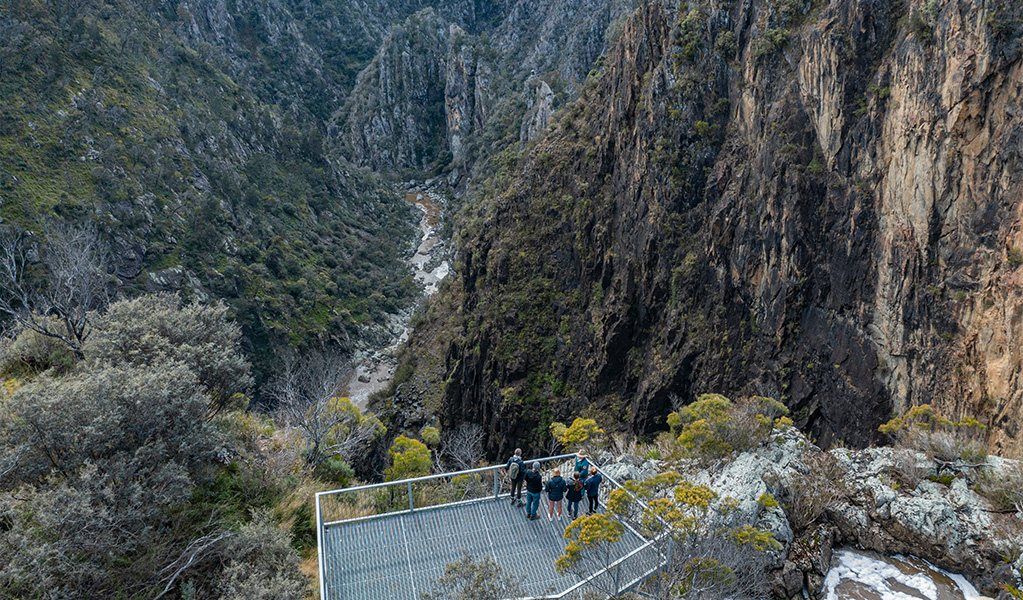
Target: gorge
<point>505,216</point>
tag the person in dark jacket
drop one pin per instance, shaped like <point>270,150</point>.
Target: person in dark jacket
<point>574,495</point>
<point>582,463</point>
<point>534,488</point>
<point>593,489</point>
<point>555,494</point>
<point>516,482</point>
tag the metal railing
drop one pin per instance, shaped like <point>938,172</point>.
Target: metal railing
<point>406,496</point>
<point>651,556</point>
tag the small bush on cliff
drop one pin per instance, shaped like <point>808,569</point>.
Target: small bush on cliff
<point>773,40</point>
<point>806,496</point>
<point>1014,257</point>
<point>922,22</point>
<point>1003,488</point>
<point>713,427</point>
<point>582,434</point>
<point>409,458</point>
<point>924,430</point>
<point>726,45</point>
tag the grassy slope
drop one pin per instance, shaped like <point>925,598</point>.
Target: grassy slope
<point>106,114</point>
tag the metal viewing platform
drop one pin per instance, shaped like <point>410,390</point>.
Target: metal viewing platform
<point>393,540</point>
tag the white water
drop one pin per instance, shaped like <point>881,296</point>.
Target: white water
<point>858,575</point>
<point>374,371</point>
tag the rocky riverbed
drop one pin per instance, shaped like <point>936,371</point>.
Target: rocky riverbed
<point>430,265</point>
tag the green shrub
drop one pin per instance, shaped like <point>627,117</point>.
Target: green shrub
<point>773,40</point>
<point>430,436</point>
<point>31,353</point>
<point>335,470</point>
<point>690,30</point>
<point>945,480</point>
<point>1003,488</point>
<point>922,22</point>
<point>726,45</point>
<point>409,458</point>
<point>713,427</point>
<point>705,129</point>
<point>581,434</point>
<point>1014,257</point>
<point>924,430</point>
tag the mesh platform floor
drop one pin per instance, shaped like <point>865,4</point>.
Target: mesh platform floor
<point>401,556</point>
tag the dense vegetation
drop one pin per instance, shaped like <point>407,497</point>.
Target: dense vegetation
<point>132,472</point>
<point>202,165</point>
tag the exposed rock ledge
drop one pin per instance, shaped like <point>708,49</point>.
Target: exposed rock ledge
<point>950,526</point>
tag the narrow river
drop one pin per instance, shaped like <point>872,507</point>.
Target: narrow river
<point>857,575</point>
<point>373,370</point>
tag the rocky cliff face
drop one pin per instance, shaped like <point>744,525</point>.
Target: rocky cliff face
<point>440,80</point>
<point>817,202</point>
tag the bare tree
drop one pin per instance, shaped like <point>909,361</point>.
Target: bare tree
<point>677,402</point>
<point>307,396</point>
<point>58,301</point>
<point>464,447</point>
<point>551,445</point>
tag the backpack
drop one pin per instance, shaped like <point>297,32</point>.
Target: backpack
<point>513,469</point>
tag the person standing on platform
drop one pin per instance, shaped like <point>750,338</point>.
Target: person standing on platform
<point>517,474</point>
<point>593,489</point>
<point>574,495</point>
<point>534,489</point>
<point>555,494</point>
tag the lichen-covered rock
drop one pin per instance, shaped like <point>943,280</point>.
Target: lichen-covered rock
<point>949,525</point>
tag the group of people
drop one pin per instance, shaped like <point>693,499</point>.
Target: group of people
<point>585,481</point>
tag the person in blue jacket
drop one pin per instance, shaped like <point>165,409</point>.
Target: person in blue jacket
<point>534,489</point>
<point>593,489</point>
<point>555,494</point>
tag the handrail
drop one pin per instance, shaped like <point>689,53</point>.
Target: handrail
<point>384,484</point>
<point>322,526</point>
<point>634,497</point>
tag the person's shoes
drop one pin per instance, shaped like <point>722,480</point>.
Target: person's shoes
<point>513,502</point>
<point>534,517</point>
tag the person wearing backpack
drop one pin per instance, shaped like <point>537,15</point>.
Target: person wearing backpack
<point>534,488</point>
<point>574,495</point>
<point>517,474</point>
<point>555,494</point>
<point>593,489</point>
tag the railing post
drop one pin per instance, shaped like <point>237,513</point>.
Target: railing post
<point>411,507</point>
<point>319,550</point>
<point>497,487</point>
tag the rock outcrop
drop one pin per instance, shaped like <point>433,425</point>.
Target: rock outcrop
<point>820,206</point>
<point>540,106</point>
<point>436,82</point>
<point>950,525</point>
